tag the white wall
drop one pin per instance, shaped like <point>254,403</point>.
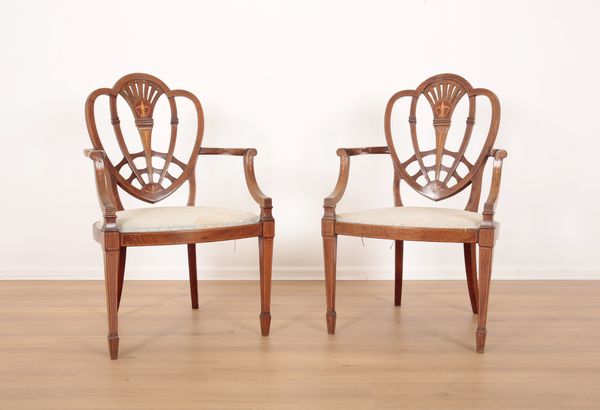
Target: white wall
<point>296,80</point>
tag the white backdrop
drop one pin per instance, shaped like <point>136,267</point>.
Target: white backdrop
<point>296,80</point>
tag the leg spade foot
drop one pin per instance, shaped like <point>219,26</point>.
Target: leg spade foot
<point>331,316</point>
<point>265,323</point>
<point>113,346</point>
<point>480,336</point>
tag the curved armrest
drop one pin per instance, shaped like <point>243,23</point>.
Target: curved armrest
<point>345,153</point>
<point>104,187</point>
<point>490,204</point>
<point>224,151</point>
<point>259,197</point>
<point>362,151</point>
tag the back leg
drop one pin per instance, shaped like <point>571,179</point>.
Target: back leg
<point>399,251</point>
<point>122,259</point>
<point>191,249</point>
<point>471,269</point>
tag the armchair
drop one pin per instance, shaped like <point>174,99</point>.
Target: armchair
<point>153,181</point>
<point>436,182</point>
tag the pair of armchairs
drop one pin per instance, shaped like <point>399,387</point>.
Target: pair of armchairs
<point>149,176</point>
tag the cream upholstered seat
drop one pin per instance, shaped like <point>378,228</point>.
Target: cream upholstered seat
<point>178,218</point>
<point>415,217</point>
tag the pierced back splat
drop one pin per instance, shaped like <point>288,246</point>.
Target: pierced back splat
<point>141,92</point>
<point>443,92</point>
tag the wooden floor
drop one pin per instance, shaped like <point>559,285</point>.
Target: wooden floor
<point>543,348</point>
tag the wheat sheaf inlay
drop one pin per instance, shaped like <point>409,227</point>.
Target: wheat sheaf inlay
<point>143,110</point>
<point>443,97</point>
<point>442,109</point>
<point>141,95</point>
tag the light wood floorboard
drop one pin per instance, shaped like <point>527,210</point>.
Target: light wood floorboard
<point>543,348</point>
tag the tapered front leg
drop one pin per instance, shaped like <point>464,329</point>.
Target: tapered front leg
<point>192,266</point>
<point>399,256</point>
<point>470,251</point>
<point>486,253</point>
<point>265,245</point>
<point>111,281</point>
<point>330,256</point>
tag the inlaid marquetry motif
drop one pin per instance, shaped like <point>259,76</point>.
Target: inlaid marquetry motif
<point>141,95</point>
<point>141,92</point>
<point>443,93</point>
<point>443,97</point>
<point>144,110</point>
<point>442,109</point>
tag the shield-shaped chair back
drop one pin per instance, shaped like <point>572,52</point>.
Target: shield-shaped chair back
<point>440,179</point>
<point>138,173</point>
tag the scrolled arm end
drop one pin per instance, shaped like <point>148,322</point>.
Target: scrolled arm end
<point>94,154</point>
<point>342,152</point>
<point>498,153</point>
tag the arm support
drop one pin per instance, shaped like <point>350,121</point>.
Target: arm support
<point>345,153</point>
<point>259,197</point>
<point>490,204</point>
<point>104,186</point>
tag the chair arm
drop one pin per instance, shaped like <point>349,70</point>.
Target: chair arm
<point>345,153</point>
<point>363,150</point>
<point>490,204</point>
<point>224,151</point>
<point>104,187</point>
<point>259,197</point>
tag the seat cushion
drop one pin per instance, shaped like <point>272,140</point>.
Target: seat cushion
<point>176,218</point>
<point>415,217</point>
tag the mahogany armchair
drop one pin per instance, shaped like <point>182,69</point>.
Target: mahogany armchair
<point>438,181</point>
<point>154,181</point>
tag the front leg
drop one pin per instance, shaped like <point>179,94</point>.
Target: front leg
<point>112,256</point>
<point>265,245</point>
<point>330,256</point>
<point>486,253</point>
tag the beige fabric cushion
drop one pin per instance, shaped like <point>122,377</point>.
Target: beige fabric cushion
<point>175,218</point>
<point>415,217</point>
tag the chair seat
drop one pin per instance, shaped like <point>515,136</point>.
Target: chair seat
<point>179,218</point>
<point>415,217</point>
